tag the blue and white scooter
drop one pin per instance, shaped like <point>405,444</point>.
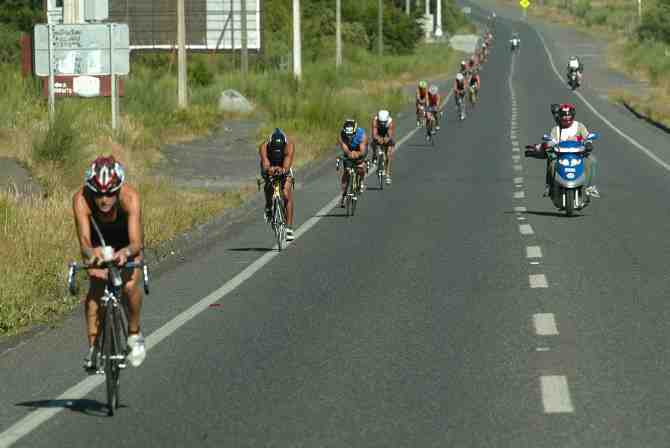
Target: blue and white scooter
<point>569,179</point>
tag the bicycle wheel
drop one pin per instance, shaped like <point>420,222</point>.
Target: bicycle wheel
<point>111,376</point>
<point>351,194</point>
<point>279,224</point>
<point>120,348</point>
<point>380,168</point>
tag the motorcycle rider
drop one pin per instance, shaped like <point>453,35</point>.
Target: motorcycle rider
<point>575,65</point>
<point>568,129</point>
<point>515,41</point>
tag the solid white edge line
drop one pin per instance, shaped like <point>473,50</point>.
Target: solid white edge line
<point>631,140</point>
<point>556,394</point>
<point>545,324</point>
<point>27,424</point>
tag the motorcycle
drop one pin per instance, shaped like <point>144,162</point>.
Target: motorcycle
<point>568,183</point>
<point>573,79</point>
<point>514,45</point>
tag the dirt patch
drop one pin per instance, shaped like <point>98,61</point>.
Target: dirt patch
<point>16,179</point>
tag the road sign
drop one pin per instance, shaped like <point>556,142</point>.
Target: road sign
<point>524,4</point>
<point>83,49</point>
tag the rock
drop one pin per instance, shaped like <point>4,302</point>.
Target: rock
<point>233,101</point>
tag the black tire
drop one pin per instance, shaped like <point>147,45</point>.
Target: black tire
<point>108,352</point>
<point>279,225</point>
<point>380,168</point>
<point>348,195</point>
<point>570,202</point>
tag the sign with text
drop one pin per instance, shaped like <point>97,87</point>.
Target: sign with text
<point>82,49</point>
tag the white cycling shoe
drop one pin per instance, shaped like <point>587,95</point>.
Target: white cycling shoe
<point>137,350</point>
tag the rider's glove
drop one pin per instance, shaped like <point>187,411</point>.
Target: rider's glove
<point>588,147</point>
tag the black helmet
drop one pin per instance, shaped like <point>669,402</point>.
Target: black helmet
<point>277,139</point>
<point>349,128</point>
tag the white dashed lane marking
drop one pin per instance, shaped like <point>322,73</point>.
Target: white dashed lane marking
<point>526,229</point>
<point>545,324</point>
<point>519,195</point>
<point>533,252</point>
<point>520,209</point>
<point>518,180</point>
<point>556,394</point>
<point>517,167</point>
<point>537,281</point>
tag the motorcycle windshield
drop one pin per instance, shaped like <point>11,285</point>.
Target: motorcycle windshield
<point>569,147</point>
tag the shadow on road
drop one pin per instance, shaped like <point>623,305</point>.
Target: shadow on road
<point>83,406</point>
<point>251,249</point>
<point>555,214</point>
<point>332,215</point>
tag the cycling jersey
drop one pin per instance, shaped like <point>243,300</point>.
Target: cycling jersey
<point>356,140</point>
<point>433,100</point>
<point>383,129</point>
<point>115,233</point>
<point>276,155</point>
<point>473,81</point>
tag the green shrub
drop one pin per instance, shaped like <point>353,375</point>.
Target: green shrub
<point>582,8</point>
<point>199,73</point>
<point>60,142</point>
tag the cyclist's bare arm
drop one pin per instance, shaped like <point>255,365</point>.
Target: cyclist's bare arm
<point>82,214</point>
<point>360,150</point>
<point>391,133</point>
<point>263,154</point>
<point>129,200</point>
<point>345,149</point>
<point>288,157</point>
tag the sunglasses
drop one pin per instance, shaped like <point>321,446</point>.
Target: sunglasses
<point>107,195</point>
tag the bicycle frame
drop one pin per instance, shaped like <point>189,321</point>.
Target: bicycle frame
<point>111,342</point>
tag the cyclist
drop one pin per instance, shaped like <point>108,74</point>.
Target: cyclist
<point>421,101</point>
<point>569,129</point>
<point>354,144</point>
<point>434,105</point>
<point>484,53</point>
<point>107,209</point>
<point>472,63</point>
<point>276,156</point>
<point>464,68</point>
<point>459,87</point>
<point>383,135</point>
<point>475,82</point>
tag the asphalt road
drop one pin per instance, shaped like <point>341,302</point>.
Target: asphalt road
<point>452,310</point>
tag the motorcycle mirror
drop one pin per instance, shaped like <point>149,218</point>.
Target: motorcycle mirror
<point>546,138</point>
<point>593,136</point>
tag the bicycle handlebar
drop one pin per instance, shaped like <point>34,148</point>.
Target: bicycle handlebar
<point>73,267</point>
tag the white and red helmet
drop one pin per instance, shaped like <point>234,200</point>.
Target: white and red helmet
<point>105,175</point>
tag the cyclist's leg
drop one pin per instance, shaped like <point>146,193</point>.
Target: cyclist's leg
<point>288,197</point>
<point>133,292</point>
<point>92,309</point>
<point>390,151</point>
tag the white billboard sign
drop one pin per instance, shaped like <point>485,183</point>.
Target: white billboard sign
<point>82,49</point>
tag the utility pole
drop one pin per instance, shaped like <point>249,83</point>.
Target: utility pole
<point>244,63</point>
<point>297,50</point>
<point>380,28</point>
<point>438,19</point>
<point>181,55</point>
<point>639,11</point>
<point>338,33</point>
